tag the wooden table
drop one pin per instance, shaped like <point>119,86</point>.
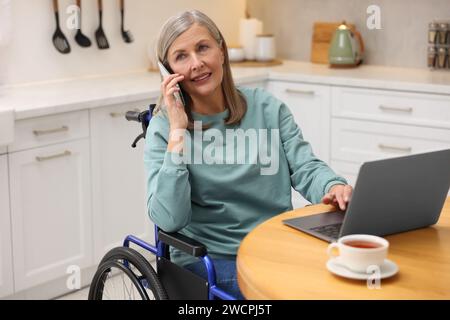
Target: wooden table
<point>277,262</point>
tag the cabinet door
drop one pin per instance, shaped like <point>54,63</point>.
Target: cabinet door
<point>118,179</point>
<point>50,212</point>
<point>6,272</point>
<point>310,106</point>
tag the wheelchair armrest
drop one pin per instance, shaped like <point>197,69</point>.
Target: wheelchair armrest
<point>183,243</point>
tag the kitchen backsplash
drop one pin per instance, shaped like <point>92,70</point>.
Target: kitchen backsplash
<point>30,55</point>
<point>401,41</point>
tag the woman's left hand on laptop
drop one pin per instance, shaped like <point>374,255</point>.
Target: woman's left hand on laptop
<point>338,195</point>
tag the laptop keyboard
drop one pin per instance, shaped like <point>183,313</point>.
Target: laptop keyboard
<point>331,230</point>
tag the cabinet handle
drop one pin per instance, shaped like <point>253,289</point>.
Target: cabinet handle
<point>386,108</point>
<point>387,147</point>
<point>49,131</point>
<point>121,114</point>
<point>59,155</point>
<point>305,92</point>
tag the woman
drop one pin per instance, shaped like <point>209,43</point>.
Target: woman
<point>212,197</point>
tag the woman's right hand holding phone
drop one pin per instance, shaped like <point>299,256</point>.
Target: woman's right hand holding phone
<point>178,119</point>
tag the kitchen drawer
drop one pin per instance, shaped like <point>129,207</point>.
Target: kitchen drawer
<point>297,89</point>
<point>41,131</point>
<point>399,107</point>
<point>360,141</point>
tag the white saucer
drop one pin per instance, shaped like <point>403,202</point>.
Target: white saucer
<point>387,269</point>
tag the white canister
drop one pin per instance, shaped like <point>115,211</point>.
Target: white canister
<point>265,47</point>
<point>236,53</point>
<point>248,29</point>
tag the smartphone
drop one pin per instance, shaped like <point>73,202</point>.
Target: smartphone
<point>164,72</point>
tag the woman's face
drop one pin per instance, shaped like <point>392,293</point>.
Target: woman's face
<point>196,55</point>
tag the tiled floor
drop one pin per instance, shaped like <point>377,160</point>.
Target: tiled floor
<point>82,294</point>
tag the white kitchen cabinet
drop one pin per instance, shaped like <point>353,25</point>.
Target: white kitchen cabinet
<point>371,124</point>
<point>50,212</point>
<point>310,107</point>
<point>42,131</point>
<point>6,268</point>
<point>399,107</point>
<point>118,179</point>
<point>359,141</point>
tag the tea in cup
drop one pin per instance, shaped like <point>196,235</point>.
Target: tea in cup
<point>358,252</point>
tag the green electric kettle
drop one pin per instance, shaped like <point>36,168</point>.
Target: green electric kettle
<point>346,48</point>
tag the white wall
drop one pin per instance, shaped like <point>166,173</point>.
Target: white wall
<point>30,55</point>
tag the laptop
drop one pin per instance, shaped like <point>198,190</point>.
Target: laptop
<point>390,196</point>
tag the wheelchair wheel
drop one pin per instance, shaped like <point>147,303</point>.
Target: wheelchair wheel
<point>124,274</point>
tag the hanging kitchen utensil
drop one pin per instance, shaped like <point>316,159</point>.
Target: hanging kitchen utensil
<point>80,38</point>
<point>59,39</point>
<point>100,36</point>
<point>126,34</point>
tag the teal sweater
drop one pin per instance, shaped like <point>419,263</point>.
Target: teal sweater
<point>219,203</point>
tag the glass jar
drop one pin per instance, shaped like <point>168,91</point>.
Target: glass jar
<point>448,58</point>
<point>432,32</point>
<point>443,32</point>
<point>442,57</point>
<point>432,54</point>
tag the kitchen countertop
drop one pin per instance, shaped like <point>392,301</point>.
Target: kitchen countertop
<point>377,77</point>
<point>38,99</point>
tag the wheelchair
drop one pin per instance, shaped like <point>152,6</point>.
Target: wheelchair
<point>125,274</point>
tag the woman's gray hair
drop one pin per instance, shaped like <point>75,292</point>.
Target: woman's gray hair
<point>170,31</point>
<point>178,24</point>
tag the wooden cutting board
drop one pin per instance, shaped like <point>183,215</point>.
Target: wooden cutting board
<point>248,63</point>
<point>322,34</point>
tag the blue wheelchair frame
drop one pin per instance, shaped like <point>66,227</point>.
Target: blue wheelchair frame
<point>158,250</point>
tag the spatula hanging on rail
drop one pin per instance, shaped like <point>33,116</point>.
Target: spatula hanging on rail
<point>126,35</point>
<point>100,36</point>
<point>59,39</point>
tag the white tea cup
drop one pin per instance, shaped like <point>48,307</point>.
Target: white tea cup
<point>358,252</point>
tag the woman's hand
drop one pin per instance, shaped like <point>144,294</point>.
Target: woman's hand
<point>177,116</point>
<point>338,194</point>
